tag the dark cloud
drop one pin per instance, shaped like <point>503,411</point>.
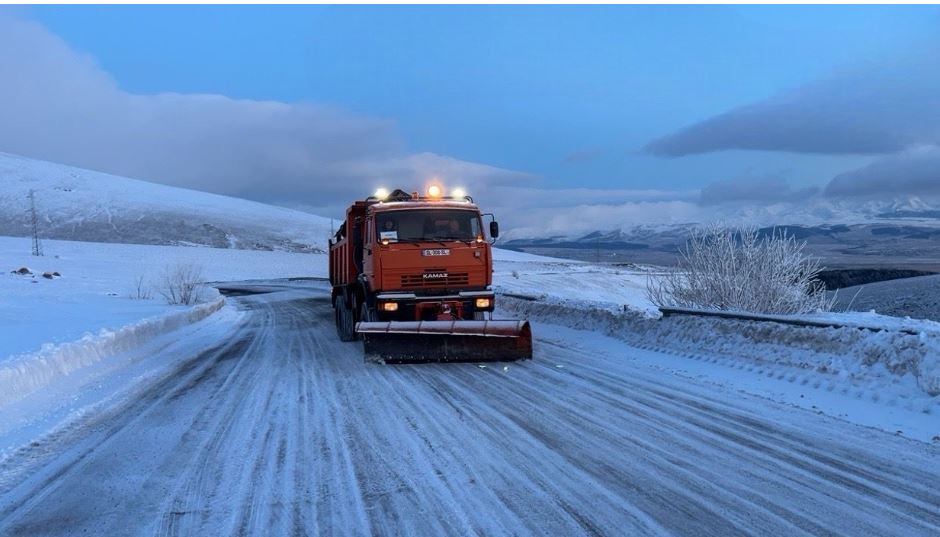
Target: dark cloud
<point>57,104</point>
<point>762,190</point>
<point>913,172</point>
<point>881,108</point>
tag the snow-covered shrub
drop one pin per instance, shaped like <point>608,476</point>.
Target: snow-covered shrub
<point>181,284</point>
<point>723,268</point>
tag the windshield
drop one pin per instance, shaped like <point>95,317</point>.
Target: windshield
<point>428,224</point>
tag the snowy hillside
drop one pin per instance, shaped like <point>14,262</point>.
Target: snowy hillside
<point>77,204</point>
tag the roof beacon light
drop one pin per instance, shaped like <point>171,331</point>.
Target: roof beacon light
<point>434,191</point>
<point>381,193</point>
<point>459,193</point>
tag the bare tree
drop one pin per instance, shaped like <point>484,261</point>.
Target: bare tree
<point>181,284</point>
<point>142,290</point>
<point>724,268</point>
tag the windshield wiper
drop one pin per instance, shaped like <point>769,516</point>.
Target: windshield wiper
<point>440,240</point>
<point>418,241</point>
<point>458,239</point>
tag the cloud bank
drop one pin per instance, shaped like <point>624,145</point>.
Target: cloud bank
<point>882,107</point>
<point>57,104</point>
<point>912,172</point>
<point>889,108</point>
<point>763,190</point>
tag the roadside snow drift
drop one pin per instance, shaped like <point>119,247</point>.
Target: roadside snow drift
<point>26,373</point>
<point>106,303</point>
<point>886,379</point>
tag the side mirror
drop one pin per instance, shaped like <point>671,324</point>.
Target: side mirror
<point>494,229</point>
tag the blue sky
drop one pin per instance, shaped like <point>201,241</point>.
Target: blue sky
<point>570,93</point>
<point>565,96</point>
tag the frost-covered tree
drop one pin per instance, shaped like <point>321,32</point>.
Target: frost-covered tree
<point>181,284</point>
<point>724,268</point>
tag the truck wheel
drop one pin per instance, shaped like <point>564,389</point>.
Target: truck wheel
<point>346,324</point>
<point>337,318</point>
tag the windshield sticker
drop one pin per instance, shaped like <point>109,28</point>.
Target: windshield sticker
<point>390,235</point>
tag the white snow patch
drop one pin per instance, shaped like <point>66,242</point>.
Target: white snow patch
<point>845,372</point>
<point>609,287</point>
<point>99,280</point>
<point>23,374</point>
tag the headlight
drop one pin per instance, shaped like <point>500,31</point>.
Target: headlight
<point>483,303</point>
<point>390,306</point>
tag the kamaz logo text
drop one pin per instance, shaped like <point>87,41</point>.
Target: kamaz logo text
<point>434,275</point>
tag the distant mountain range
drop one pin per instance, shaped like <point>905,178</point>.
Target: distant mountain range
<point>76,204</point>
<point>901,241</point>
<point>908,213</point>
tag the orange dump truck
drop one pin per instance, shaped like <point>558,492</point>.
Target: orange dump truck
<point>412,277</point>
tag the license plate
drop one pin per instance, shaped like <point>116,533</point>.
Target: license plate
<point>436,251</point>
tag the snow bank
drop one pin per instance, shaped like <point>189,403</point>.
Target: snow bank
<point>848,357</point>
<point>26,373</point>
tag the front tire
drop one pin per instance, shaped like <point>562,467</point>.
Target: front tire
<point>345,322</point>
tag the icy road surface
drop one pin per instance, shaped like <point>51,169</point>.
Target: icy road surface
<point>283,430</point>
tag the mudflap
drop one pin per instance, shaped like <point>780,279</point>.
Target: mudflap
<point>446,341</point>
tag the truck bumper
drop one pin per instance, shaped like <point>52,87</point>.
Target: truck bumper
<point>463,305</point>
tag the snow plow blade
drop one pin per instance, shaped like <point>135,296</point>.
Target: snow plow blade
<point>446,341</point>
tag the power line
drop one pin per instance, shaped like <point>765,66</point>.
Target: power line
<point>37,246</point>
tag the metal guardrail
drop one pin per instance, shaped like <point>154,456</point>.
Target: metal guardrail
<point>781,319</point>
<point>755,317</point>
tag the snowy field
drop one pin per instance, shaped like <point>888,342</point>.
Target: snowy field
<point>592,286</point>
<point>918,298</point>
<point>98,285</point>
<point>83,337</point>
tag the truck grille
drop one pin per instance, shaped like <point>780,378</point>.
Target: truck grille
<point>434,279</point>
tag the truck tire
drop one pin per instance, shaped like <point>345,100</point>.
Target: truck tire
<point>338,318</point>
<point>345,322</point>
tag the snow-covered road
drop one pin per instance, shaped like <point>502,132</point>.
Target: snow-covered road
<point>283,430</point>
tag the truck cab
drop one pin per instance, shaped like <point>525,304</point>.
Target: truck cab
<point>403,256</point>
